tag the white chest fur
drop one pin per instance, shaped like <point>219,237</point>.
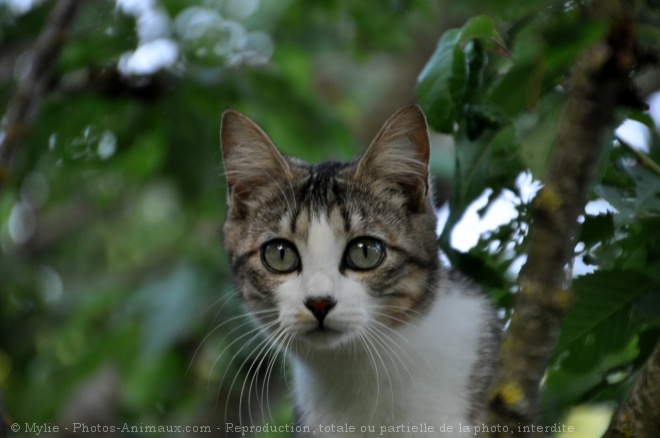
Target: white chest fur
<point>413,381</point>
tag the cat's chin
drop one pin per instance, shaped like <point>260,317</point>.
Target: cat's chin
<point>324,339</point>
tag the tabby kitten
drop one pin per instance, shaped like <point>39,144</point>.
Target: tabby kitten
<point>338,264</point>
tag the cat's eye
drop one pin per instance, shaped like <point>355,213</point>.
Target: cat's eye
<point>364,253</point>
<point>280,256</point>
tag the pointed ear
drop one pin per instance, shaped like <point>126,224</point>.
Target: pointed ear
<point>251,160</point>
<point>399,155</point>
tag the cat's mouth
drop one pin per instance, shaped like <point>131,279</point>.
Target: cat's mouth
<point>323,337</point>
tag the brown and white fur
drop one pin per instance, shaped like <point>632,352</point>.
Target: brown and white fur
<point>403,343</point>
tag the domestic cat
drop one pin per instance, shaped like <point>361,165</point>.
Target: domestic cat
<point>338,264</point>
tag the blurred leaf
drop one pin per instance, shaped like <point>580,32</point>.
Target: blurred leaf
<point>152,381</point>
<point>513,10</point>
<point>636,202</point>
<point>167,310</point>
<point>101,35</point>
<point>567,36</point>
<point>600,323</point>
<point>564,387</point>
<point>648,34</point>
<point>145,157</point>
<point>442,83</point>
<point>487,162</point>
<point>538,131</point>
<point>642,117</point>
<point>596,229</point>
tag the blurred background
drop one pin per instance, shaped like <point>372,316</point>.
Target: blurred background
<point>116,303</point>
<point>115,297</point>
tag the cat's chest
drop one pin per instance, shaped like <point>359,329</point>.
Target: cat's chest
<point>394,404</point>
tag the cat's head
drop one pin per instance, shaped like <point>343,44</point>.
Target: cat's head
<point>324,253</point>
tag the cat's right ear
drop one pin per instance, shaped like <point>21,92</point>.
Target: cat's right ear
<point>399,155</point>
<point>250,159</point>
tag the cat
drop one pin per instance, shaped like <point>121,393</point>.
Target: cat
<point>338,264</point>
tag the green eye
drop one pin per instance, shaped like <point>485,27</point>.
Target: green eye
<point>364,253</point>
<point>280,256</point>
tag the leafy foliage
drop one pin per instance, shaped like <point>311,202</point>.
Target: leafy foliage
<point>509,120</point>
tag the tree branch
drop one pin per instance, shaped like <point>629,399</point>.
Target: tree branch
<point>24,103</point>
<point>544,296</point>
<point>639,415</point>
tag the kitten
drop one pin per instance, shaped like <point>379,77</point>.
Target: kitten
<point>338,264</point>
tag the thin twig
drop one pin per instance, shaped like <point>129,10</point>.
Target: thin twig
<point>24,103</point>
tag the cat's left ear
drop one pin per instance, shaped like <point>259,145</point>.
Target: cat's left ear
<point>400,153</point>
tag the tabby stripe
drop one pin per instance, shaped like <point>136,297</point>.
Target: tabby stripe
<point>241,260</point>
<point>346,216</point>
<point>413,260</point>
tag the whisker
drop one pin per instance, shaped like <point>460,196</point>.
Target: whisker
<point>281,348</point>
<point>233,382</point>
<point>275,344</point>
<point>256,329</point>
<point>225,300</point>
<point>255,367</point>
<point>370,337</point>
<point>216,328</point>
<point>376,375</point>
<point>389,346</point>
<point>284,365</point>
<point>244,323</point>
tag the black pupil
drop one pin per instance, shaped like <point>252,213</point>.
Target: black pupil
<point>282,250</point>
<point>365,249</point>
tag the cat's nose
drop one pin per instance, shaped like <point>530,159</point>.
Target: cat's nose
<point>320,307</point>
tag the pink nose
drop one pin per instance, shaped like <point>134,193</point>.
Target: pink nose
<point>320,307</point>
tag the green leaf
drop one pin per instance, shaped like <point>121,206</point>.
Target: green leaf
<point>596,229</point>
<point>488,161</point>
<point>442,83</point>
<point>565,39</point>
<point>642,117</point>
<point>648,35</point>
<point>507,93</point>
<point>481,117</point>
<point>449,90</point>
<point>564,387</point>
<point>481,26</point>
<point>636,202</point>
<point>600,323</point>
<point>537,132</point>
<point>542,51</point>
<point>442,77</point>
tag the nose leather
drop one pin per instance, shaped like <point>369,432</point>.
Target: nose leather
<point>320,307</point>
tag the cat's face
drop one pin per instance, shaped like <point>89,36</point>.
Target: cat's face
<point>332,253</point>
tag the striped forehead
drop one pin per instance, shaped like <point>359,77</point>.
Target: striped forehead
<point>319,195</point>
<point>303,225</point>
<point>321,190</point>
